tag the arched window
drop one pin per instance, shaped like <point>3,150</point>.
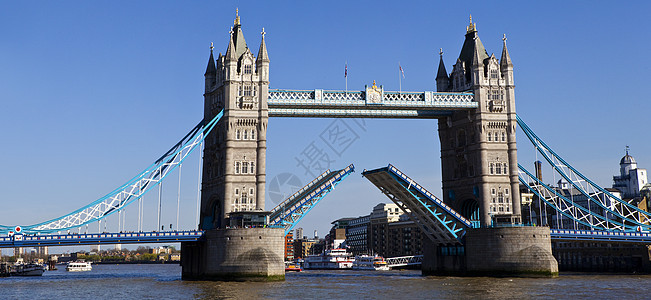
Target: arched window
<point>251,191</point>
<point>498,170</point>
<point>244,198</point>
<point>247,69</point>
<point>237,191</point>
<point>504,169</point>
<point>245,167</point>
<point>237,168</point>
<point>490,136</point>
<point>246,135</point>
<point>253,134</point>
<point>237,134</point>
<point>503,136</point>
<point>492,168</point>
<point>252,172</point>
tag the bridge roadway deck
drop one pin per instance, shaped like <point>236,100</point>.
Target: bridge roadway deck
<point>99,238</point>
<point>566,235</point>
<point>360,104</point>
<point>439,222</point>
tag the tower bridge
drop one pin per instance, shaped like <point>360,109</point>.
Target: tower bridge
<point>475,227</point>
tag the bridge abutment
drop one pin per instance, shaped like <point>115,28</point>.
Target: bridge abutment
<point>237,254</point>
<point>497,251</point>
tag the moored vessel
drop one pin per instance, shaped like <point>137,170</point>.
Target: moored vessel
<point>29,269</point>
<point>368,262</point>
<point>292,267</point>
<point>330,259</point>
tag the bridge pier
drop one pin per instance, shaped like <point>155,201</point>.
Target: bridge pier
<point>238,254</point>
<point>497,251</point>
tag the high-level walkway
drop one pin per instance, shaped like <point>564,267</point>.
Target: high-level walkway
<point>361,104</point>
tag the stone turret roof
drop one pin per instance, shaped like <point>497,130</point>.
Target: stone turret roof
<point>238,40</point>
<point>472,45</point>
<point>262,53</point>
<point>237,45</point>
<point>210,69</point>
<point>442,73</point>
<point>627,159</point>
<point>505,60</point>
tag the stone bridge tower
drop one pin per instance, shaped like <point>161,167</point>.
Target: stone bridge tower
<point>478,148</point>
<point>234,153</point>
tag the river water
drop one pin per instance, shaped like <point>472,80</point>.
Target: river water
<point>164,282</point>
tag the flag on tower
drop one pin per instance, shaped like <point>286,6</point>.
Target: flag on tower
<point>401,71</point>
<point>346,70</point>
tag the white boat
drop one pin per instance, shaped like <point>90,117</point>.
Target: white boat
<point>330,259</point>
<point>367,262</point>
<point>30,269</point>
<point>78,266</point>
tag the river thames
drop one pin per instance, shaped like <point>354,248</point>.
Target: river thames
<point>164,282</point>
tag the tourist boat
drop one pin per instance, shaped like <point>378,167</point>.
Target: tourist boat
<point>330,259</point>
<point>30,269</point>
<point>78,266</point>
<point>368,262</point>
<point>292,267</point>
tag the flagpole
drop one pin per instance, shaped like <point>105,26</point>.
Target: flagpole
<point>399,79</point>
<point>346,76</point>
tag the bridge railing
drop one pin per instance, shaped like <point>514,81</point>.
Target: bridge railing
<point>600,236</point>
<point>439,222</point>
<point>322,98</point>
<point>401,261</point>
<point>299,204</point>
<point>99,238</point>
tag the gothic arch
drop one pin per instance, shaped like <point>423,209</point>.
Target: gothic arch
<point>470,210</point>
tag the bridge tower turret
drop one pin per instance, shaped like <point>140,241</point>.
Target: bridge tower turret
<point>478,148</point>
<point>442,79</point>
<point>234,155</point>
<point>480,171</point>
<point>233,183</point>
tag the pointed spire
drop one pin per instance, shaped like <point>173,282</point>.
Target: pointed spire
<point>472,27</point>
<point>505,60</point>
<point>211,69</point>
<point>230,52</point>
<point>237,36</point>
<point>477,55</point>
<point>262,53</point>
<point>472,46</point>
<point>442,73</point>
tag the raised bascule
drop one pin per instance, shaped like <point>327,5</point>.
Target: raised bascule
<point>475,228</point>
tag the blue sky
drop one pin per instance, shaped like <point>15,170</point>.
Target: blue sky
<point>93,92</point>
